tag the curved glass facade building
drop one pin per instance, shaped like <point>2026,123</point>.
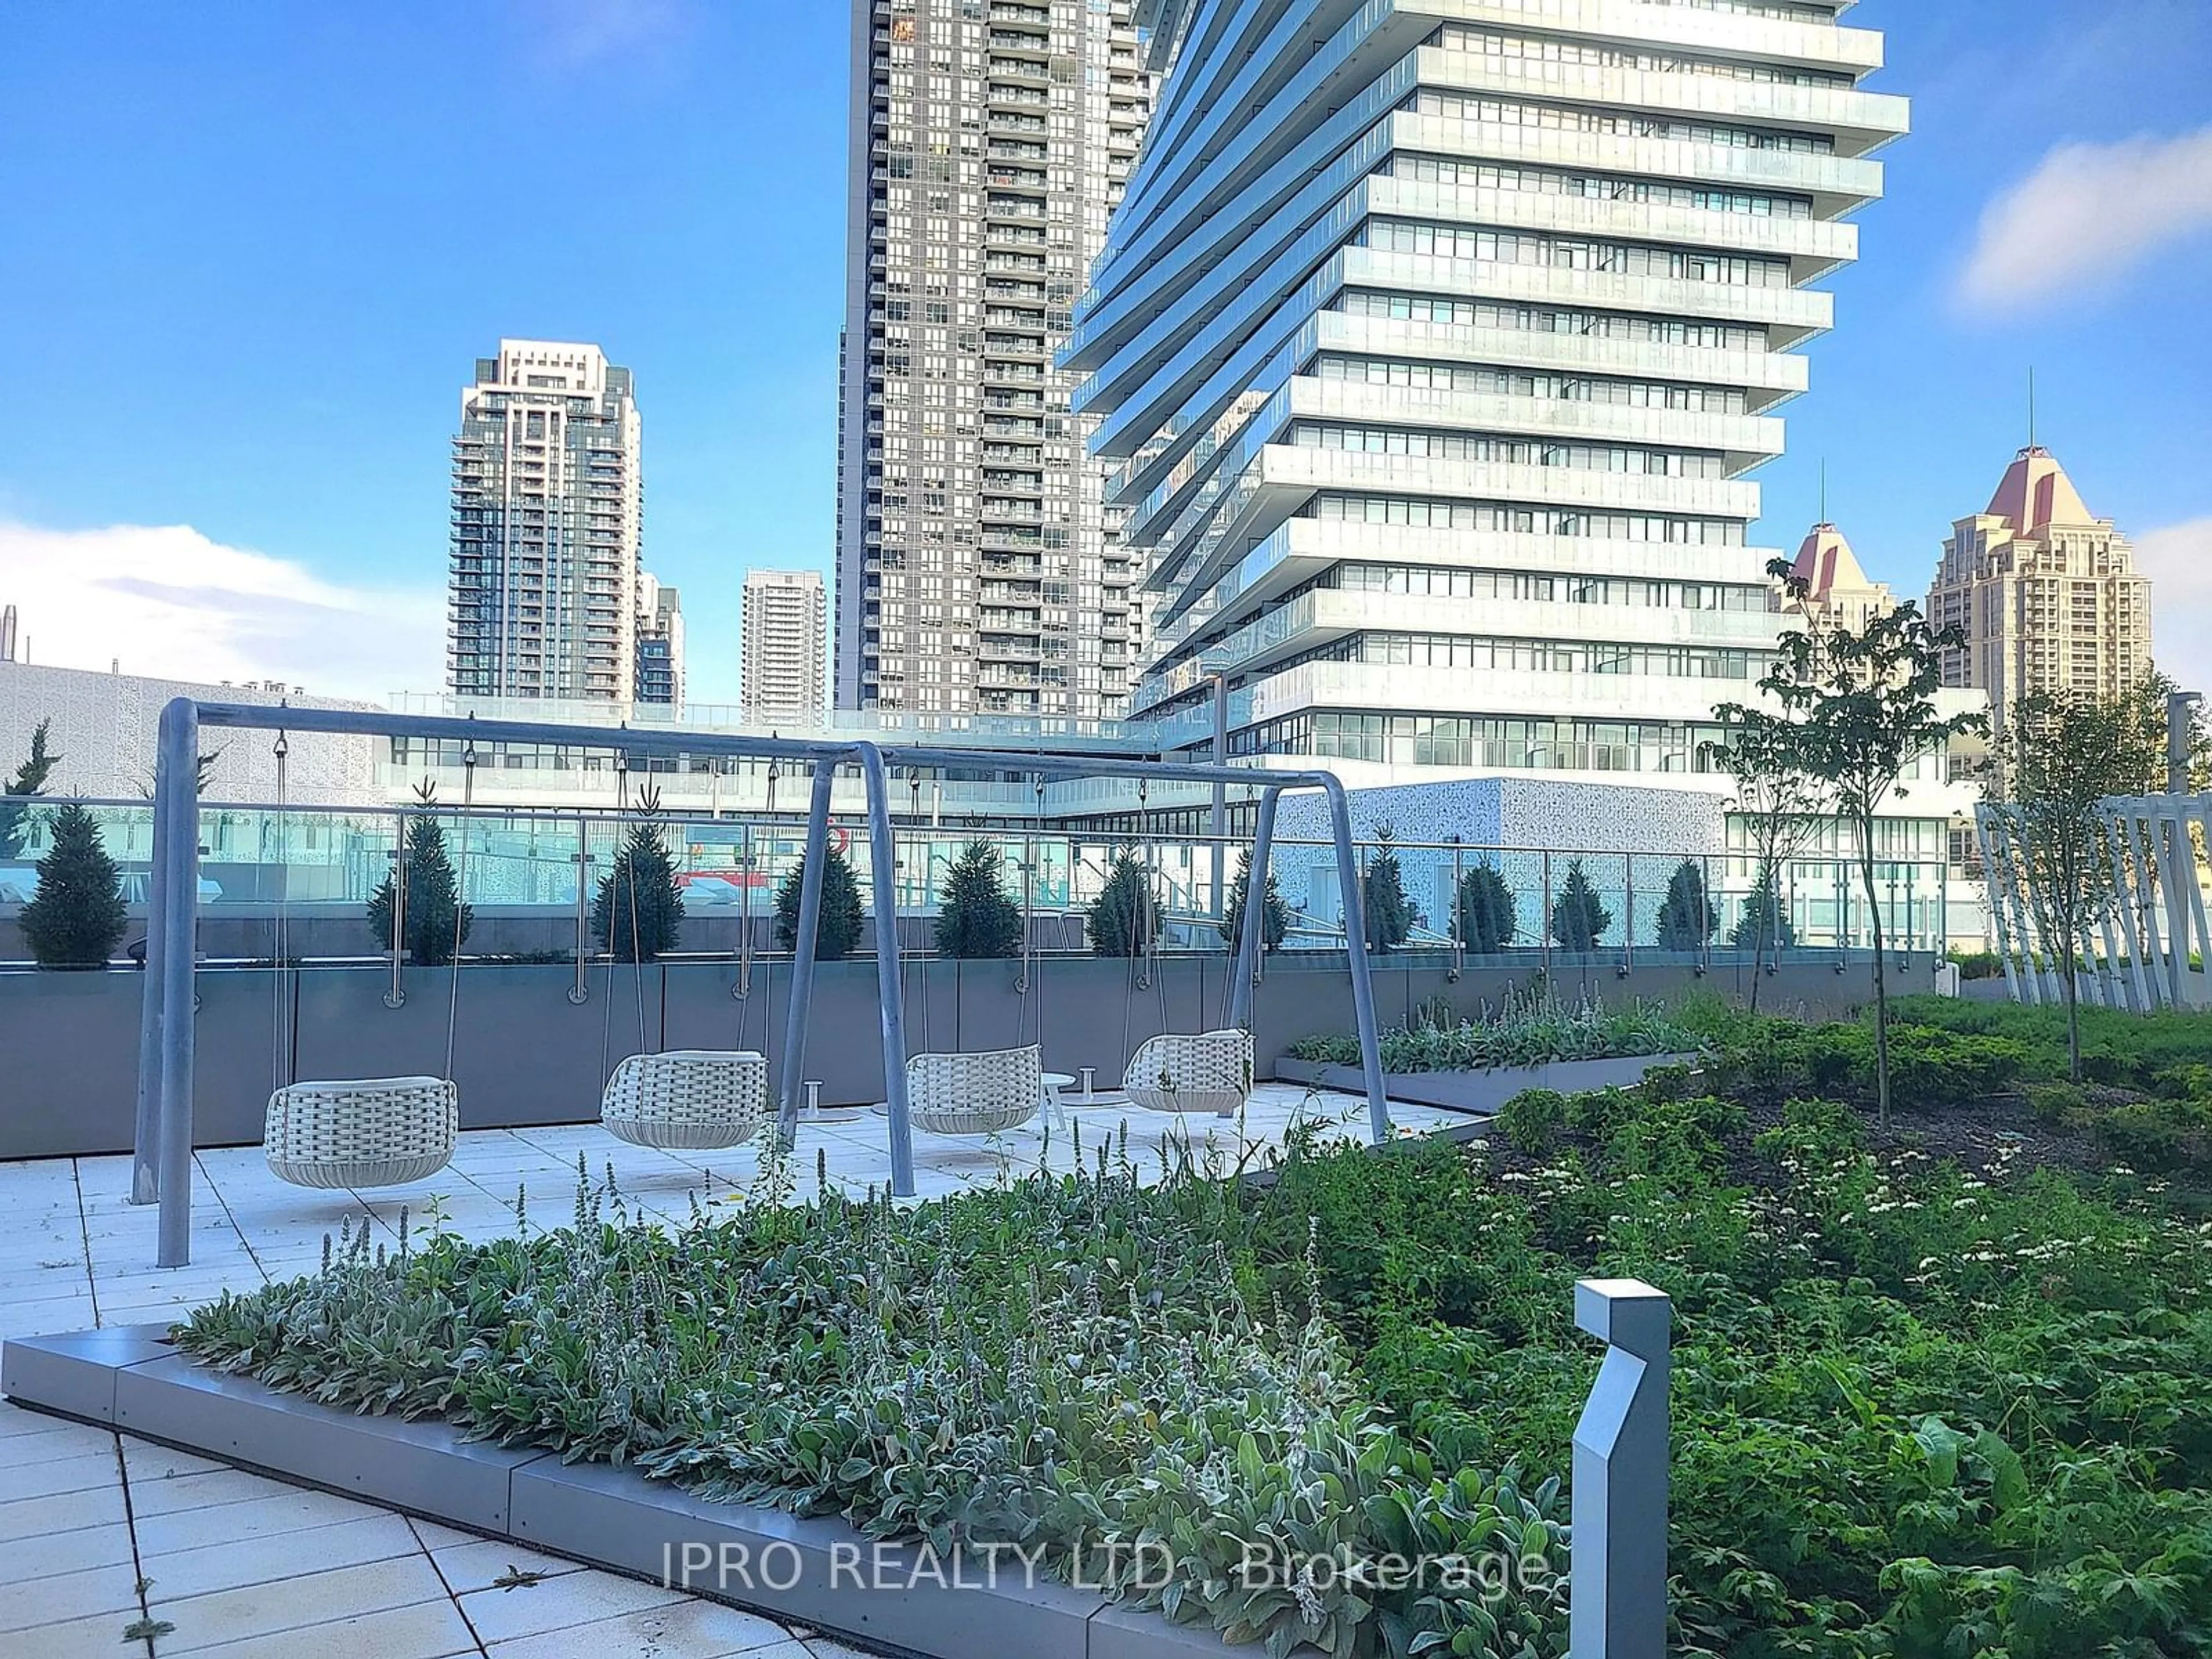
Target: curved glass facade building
<point>1432,346</point>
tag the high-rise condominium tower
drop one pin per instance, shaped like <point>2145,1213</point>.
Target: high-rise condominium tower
<point>976,569</point>
<point>2045,592</point>
<point>1434,342</point>
<point>785,640</point>
<point>660,641</point>
<point>543,593</point>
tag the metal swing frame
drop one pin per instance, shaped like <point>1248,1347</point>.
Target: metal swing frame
<point>161,1162</point>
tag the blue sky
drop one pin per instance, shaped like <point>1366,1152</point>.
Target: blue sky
<point>252,251</point>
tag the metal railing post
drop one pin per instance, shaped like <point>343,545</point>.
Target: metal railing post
<point>1251,935</point>
<point>146,1132</point>
<point>1544,916</point>
<point>802,954</point>
<point>891,993</point>
<point>580,992</point>
<point>1617,1607</point>
<point>396,997</point>
<point>176,800</point>
<point>1628,925</point>
<point>1355,949</point>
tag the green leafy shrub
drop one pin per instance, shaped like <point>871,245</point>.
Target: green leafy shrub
<point>2157,1134</point>
<point>77,918</point>
<point>1934,1070</point>
<point>977,919</point>
<point>837,933</point>
<point>1525,1030</point>
<point>1533,1119</point>
<point>2060,1102</point>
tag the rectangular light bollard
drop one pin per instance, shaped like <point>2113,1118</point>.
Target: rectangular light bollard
<point>1618,1608</point>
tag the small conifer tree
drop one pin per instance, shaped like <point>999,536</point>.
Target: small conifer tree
<point>1387,912</point>
<point>1579,917</point>
<point>837,935</point>
<point>1125,917</point>
<point>1687,918</point>
<point>77,919</point>
<point>977,918</point>
<point>638,913</point>
<point>436,923</point>
<point>1488,918</point>
<point>1764,924</point>
<point>1274,910</point>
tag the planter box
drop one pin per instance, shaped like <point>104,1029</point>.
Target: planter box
<point>1482,1091</point>
<point>811,1571</point>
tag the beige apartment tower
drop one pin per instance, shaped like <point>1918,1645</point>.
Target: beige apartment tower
<point>2045,592</point>
<point>542,591</point>
<point>976,567</point>
<point>1836,588</point>
<point>785,639</point>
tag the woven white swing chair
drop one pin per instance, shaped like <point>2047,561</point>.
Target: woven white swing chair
<point>686,1099</point>
<point>1186,1073</point>
<point>991,1091</point>
<point>979,1094</point>
<point>363,1132</point>
<point>1208,1071</point>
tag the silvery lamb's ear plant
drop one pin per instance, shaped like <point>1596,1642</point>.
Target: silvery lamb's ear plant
<point>1069,1365</point>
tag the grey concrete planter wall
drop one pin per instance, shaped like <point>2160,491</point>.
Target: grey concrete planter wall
<point>1485,1090</point>
<point>523,1054</point>
<point>818,1573</point>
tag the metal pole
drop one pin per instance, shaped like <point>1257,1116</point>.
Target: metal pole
<point>1458,909</point>
<point>397,996</point>
<point>890,994</point>
<point>1251,937</point>
<point>1617,1607</point>
<point>1218,824</point>
<point>1355,948</point>
<point>802,954</point>
<point>580,992</point>
<point>146,1136</point>
<point>1628,927</point>
<point>1544,916</point>
<point>1706,924</point>
<point>176,803</point>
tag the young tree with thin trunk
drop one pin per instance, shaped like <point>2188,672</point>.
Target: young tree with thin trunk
<point>1782,808</point>
<point>2060,759</point>
<point>1859,707</point>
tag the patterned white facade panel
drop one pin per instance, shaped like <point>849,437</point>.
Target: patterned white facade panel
<point>103,727</point>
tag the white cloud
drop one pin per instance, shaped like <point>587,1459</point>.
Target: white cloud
<point>2086,216</point>
<point>573,34</point>
<point>165,601</point>
<point>2178,561</point>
